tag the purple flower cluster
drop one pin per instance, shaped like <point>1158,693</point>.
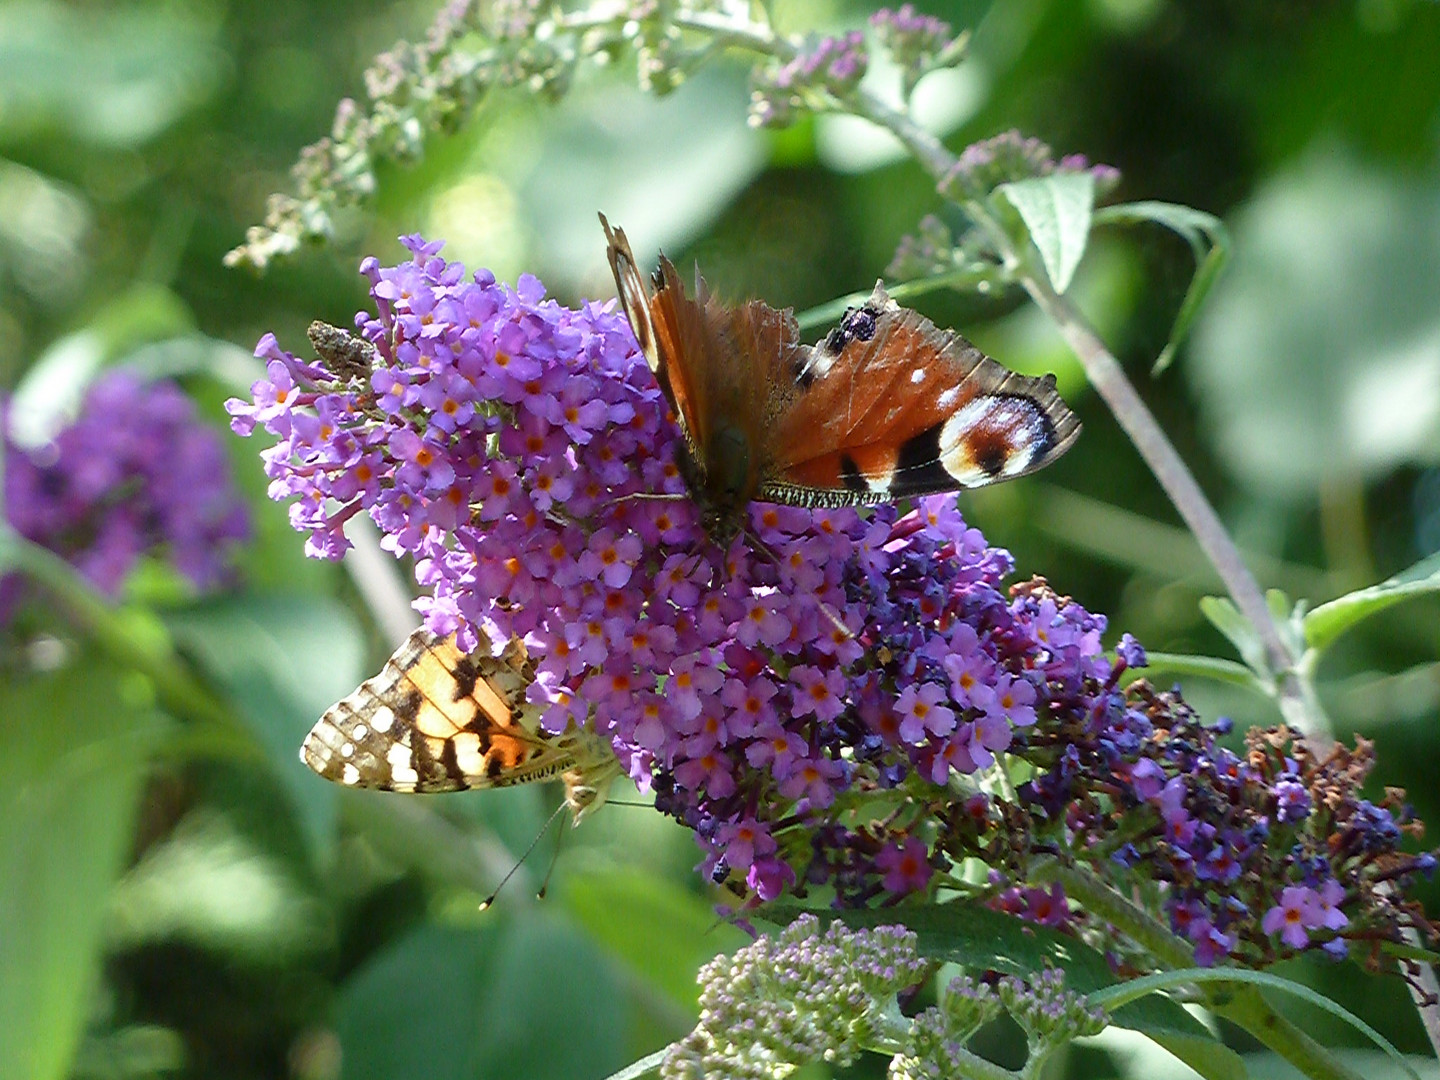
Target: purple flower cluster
<point>134,474</point>
<point>827,68</point>
<point>1256,855</point>
<point>829,662</point>
<point>522,454</point>
<point>1010,156</point>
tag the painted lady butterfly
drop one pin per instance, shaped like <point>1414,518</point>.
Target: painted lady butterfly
<point>436,719</point>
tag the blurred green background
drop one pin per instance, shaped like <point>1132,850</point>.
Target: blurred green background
<point>175,903</point>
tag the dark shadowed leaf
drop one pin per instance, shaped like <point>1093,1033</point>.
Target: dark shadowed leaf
<point>527,997</point>
<point>283,659</point>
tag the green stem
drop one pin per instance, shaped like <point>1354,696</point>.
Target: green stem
<point>741,33</point>
<point>1248,1009</point>
<point>1296,700</point>
<point>959,280</point>
<point>178,690</point>
<point>1242,1005</point>
<point>925,147</point>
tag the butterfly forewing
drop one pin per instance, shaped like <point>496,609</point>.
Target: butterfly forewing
<point>436,719</point>
<point>668,326</point>
<point>891,406</point>
<point>714,364</point>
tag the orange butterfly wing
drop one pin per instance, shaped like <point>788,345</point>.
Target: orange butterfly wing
<point>890,405</point>
<point>438,719</point>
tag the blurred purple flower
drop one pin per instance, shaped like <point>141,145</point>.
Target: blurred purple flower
<point>135,474</point>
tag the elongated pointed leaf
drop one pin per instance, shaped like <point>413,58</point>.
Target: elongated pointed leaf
<point>73,756</point>
<point>1328,621</point>
<point>1209,1057</point>
<point>1242,1011</point>
<point>1208,239</point>
<point>1057,211</point>
<point>1203,667</point>
<point>1226,618</point>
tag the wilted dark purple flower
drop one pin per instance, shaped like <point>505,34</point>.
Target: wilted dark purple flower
<point>1280,831</point>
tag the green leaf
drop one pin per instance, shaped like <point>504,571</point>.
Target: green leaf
<point>1057,211</point>
<point>283,660</point>
<point>113,78</point>
<point>73,756</point>
<point>528,996</point>
<point>1226,618</point>
<point>53,388</point>
<point>1184,976</point>
<point>662,931</point>
<point>1315,358</point>
<point>1328,621</point>
<point>183,891</point>
<point>1202,667</point>
<point>978,937</point>
<point>1208,239</point>
<point>1407,951</point>
<point>1209,1057</point>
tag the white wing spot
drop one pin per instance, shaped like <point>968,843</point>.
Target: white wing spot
<point>401,772</point>
<point>917,376</point>
<point>351,775</point>
<point>468,756</point>
<point>347,749</point>
<point>947,398</point>
<point>359,733</point>
<point>382,719</point>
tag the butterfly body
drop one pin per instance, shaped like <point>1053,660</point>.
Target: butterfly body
<point>438,719</point>
<point>885,406</point>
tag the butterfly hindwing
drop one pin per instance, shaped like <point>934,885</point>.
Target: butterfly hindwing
<point>890,405</point>
<point>436,719</point>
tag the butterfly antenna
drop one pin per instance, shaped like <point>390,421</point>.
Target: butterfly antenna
<point>485,904</point>
<point>554,858</point>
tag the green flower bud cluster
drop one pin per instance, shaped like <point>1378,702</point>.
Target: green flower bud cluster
<point>799,997</point>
